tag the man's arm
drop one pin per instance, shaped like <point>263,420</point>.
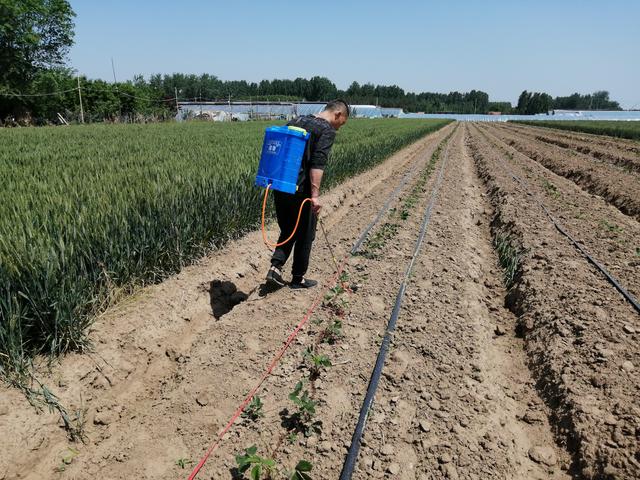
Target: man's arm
<point>319,158</point>
<point>316,180</point>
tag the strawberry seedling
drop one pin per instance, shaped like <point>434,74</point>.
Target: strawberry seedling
<point>302,420</point>
<point>256,464</point>
<point>67,459</point>
<point>300,472</point>
<point>378,240</point>
<point>254,410</point>
<point>332,333</point>
<point>334,302</point>
<point>318,363</point>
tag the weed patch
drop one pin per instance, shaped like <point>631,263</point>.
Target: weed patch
<point>183,462</point>
<point>551,189</point>
<point>610,227</point>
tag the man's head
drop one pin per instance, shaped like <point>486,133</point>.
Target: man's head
<point>336,112</point>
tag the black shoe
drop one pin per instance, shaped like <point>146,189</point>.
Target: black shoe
<point>303,283</point>
<point>274,277</point>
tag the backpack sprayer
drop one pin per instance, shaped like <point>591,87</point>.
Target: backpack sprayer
<point>278,169</point>
<point>279,166</point>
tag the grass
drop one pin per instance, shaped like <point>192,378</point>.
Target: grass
<point>67,459</point>
<point>509,254</point>
<point>550,188</point>
<point>621,129</point>
<point>183,462</point>
<point>610,227</point>
<point>88,213</point>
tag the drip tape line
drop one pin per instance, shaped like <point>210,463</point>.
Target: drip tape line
<point>356,440</point>
<point>299,327</point>
<point>625,293</point>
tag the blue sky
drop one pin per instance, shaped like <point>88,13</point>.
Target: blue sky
<point>499,47</point>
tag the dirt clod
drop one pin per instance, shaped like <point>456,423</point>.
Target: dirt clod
<point>393,468</point>
<point>387,450</point>
<point>543,454</point>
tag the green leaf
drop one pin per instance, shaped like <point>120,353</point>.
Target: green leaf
<point>304,466</point>
<point>255,472</point>
<point>297,390</point>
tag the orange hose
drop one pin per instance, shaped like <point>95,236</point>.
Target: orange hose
<point>264,233</point>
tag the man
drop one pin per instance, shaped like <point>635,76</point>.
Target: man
<point>322,128</point>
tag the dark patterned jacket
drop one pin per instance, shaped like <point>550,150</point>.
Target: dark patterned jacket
<point>318,148</point>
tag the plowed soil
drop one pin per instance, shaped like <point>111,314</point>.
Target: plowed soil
<point>625,153</point>
<point>619,185</point>
<point>533,376</point>
<point>580,334</point>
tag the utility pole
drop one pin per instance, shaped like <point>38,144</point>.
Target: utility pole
<point>115,84</point>
<point>80,97</point>
<point>175,90</point>
<point>113,69</point>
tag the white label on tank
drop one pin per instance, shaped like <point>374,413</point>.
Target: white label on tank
<point>273,146</point>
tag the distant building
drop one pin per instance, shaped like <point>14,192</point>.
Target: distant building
<point>242,111</point>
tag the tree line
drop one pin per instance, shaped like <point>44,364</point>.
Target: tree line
<point>530,103</point>
<point>58,90</point>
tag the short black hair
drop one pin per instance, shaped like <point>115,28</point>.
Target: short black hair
<point>338,104</point>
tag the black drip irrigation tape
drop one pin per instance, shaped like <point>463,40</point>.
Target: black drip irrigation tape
<point>625,293</point>
<point>354,449</point>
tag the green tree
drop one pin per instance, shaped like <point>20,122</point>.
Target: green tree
<point>322,89</point>
<point>523,102</point>
<point>34,35</point>
<point>50,82</point>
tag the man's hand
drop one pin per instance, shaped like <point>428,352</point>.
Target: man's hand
<point>315,205</point>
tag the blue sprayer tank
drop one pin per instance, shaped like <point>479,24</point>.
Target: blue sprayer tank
<point>281,158</point>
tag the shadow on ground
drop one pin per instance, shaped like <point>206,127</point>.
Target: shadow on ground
<point>223,296</point>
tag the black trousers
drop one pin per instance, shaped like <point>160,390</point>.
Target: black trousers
<point>287,207</point>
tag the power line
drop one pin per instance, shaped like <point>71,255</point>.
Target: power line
<point>85,87</point>
<point>60,92</point>
<point>148,99</point>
